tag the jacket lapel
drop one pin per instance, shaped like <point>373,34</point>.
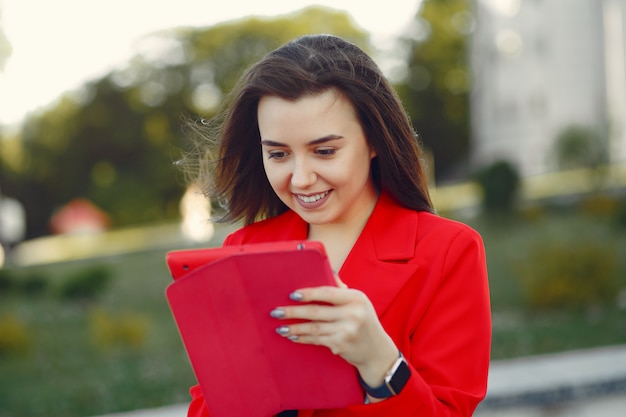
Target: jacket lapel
<point>378,263</point>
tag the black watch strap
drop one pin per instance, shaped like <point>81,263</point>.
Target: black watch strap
<point>395,380</point>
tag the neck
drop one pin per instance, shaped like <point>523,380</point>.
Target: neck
<point>339,238</point>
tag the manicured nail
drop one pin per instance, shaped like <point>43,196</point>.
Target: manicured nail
<point>292,337</point>
<point>277,313</point>
<point>295,296</point>
<point>282,330</point>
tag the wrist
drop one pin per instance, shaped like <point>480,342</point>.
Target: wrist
<point>373,371</point>
<point>393,382</point>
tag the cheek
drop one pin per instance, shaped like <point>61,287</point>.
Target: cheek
<point>274,174</point>
<point>357,168</point>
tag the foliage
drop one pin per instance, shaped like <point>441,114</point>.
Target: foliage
<point>580,147</point>
<point>436,89</point>
<point>605,207</point>
<point>14,336</point>
<point>114,141</point>
<point>7,282</point>
<point>86,284</point>
<point>500,183</point>
<point>74,377</point>
<point>33,284</point>
<point>600,205</point>
<point>521,330</point>
<point>620,215</point>
<point>26,284</point>
<point>573,276</point>
<point>125,330</point>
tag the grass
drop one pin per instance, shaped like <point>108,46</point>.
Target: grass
<point>73,366</point>
<point>519,330</point>
<point>65,373</point>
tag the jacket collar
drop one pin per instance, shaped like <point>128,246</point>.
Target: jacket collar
<point>391,230</point>
<point>378,262</point>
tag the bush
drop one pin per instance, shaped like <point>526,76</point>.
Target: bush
<point>14,338</point>
<point>570,276</point>
<point>7,281</point>
<point>499,183</point>
<point>122,330</point>
<point>600,205</point>
<point>620,214</point>
<point>580,147</point>
<point>33,284</point>
<point>86,284</point>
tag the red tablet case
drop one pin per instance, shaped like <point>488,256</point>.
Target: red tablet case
<point>221,299</point>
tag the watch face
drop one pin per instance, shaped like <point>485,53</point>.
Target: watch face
<point>400,377</point>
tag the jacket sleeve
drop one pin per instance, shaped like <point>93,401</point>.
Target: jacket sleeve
<point>449,347</point>
<point>197,407</point>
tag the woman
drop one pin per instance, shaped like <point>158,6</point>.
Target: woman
<point>316,145</point>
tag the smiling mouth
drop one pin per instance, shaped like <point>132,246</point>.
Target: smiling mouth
<point>308,199</point>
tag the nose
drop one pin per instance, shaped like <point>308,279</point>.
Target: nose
<point>303,174</point>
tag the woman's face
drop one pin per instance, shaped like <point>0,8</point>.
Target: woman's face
<point>316,157</point>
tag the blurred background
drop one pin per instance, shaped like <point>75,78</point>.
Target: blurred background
<point>520,105</point>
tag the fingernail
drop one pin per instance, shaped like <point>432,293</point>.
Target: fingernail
<point>282,330</point>
<point>277,313</point>
<point>292,337</point>
<point>295,296</point>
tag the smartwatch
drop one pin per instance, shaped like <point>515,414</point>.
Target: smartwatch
<point>395,379</point>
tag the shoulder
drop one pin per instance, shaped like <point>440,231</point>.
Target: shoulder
<point>397,232</point>
<point>443,238</point>
<point>286,226</point>
<point>434,225</point>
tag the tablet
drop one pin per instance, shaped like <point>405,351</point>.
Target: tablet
<point>221,300</point>
<point>181,262</point>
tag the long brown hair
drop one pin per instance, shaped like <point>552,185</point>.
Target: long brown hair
<point>309,65</point>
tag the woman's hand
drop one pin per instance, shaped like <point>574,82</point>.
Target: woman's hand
<point>346,323</point>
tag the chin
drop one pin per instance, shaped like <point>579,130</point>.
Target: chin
<point>315,220</point>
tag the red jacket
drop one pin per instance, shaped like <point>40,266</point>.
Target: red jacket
<point>427,279</point>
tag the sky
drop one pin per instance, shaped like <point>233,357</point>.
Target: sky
<point>59,45</point>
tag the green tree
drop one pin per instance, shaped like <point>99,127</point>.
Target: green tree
<point>580,147</point>
<point>500,183</point>
<point>436,88</point>
<point>114,141</point>
<point>585,147</point>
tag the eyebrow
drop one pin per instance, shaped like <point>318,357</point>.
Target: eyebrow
<point>324,139</point>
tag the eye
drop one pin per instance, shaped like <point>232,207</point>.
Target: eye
<point>325,151</point>
<point>276,154</point>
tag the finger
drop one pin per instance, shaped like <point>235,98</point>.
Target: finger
<point>312,329</point>
<point>316,340</point>
<point>311,312</point>
<point>326,336</point>
<point>325,294</point>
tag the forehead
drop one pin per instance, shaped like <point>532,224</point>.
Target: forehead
<point>314,110</point>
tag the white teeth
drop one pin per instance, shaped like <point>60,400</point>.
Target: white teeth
<point>312,198</point>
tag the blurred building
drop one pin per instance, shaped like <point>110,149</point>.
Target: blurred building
<point>541,66</point>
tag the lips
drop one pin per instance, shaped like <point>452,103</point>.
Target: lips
<point>312,201</point>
